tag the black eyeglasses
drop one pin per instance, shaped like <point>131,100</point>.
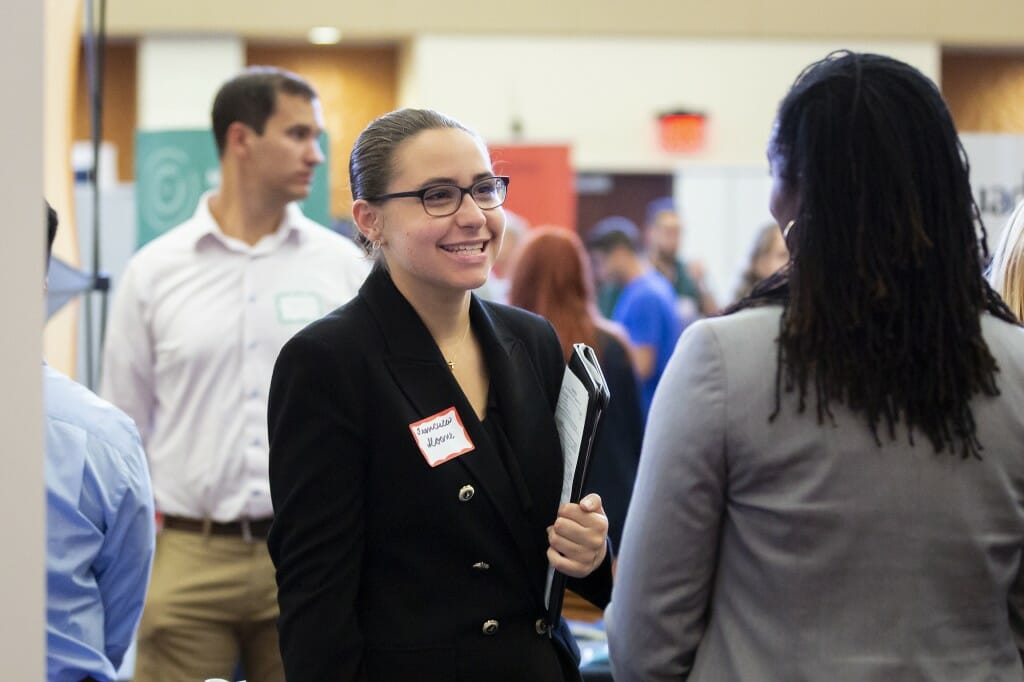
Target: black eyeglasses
<point>444,200</point>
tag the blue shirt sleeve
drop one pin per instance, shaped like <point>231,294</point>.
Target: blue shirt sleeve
<point>123,564</point>
<point>100,533</point>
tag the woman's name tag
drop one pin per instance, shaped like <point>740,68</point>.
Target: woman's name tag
<point>441,437</point>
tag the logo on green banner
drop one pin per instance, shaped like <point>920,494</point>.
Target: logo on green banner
<point>174,167</point>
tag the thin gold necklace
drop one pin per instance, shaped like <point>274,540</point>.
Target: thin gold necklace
<point>458,347</point>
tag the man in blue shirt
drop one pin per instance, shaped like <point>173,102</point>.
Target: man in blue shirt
<point>646,306</point>
<point>664,229</point>
<point>100,530</point>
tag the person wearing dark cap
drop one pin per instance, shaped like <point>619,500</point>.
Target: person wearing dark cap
<point>100,530</point>
<point>646,307</point>
<point>663,231</point>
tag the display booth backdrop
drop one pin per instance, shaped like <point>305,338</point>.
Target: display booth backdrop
<point>175,167</point>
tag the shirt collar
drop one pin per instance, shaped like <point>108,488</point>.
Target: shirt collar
<point>205,228</point>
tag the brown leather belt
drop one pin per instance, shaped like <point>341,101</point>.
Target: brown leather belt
<point>247,529</point>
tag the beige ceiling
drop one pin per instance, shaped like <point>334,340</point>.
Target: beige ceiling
<point>963,22</point>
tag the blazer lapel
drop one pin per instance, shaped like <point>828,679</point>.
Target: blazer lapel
<point>529,422</point>
<point>424,378</point>
<point>513,380</point>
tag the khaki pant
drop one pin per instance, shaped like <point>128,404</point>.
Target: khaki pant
<point>212,603</point>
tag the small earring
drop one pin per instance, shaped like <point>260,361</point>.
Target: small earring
<point>787,228</point>
<point>375,245</point>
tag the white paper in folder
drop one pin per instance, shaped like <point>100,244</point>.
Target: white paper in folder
<point>571,416</point>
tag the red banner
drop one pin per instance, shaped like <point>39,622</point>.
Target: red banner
<point>542,188</point>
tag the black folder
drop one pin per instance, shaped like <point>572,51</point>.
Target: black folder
<point>581,402</point>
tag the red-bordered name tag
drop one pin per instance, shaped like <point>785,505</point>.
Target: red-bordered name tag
<point>441,437</point>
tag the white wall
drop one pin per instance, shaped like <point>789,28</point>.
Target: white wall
<point>22,534</point>
<point>603,95</point>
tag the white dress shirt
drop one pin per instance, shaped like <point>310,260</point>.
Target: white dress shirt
<point>196,325</point>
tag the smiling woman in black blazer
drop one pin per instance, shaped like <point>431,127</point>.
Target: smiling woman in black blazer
<point>415,465</point>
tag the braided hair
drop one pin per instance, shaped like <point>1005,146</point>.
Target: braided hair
<point>883,294</point>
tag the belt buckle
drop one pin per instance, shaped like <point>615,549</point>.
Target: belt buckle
<point>246,531</point>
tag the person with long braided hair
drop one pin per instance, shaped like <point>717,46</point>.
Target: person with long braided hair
<point>831,485</point>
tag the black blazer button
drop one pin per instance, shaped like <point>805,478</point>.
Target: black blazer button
<point>466,493</point>
<point>541,627</point>
<point>482,566</point>
<point>490,627</point>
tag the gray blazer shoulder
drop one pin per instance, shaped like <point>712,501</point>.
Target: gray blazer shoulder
<point>785,548</point>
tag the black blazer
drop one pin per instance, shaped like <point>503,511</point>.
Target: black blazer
<point>389,569</point>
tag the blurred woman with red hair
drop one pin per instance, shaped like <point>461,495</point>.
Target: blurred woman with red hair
<point>552,278</point>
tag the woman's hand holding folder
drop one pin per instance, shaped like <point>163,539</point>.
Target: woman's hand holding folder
<point>577,540</point>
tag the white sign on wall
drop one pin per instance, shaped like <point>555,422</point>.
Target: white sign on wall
<point>997,177</point>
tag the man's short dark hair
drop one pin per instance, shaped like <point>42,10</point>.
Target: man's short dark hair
<point>612,232</point>
<point>251,97</point>
<point>51,228</point>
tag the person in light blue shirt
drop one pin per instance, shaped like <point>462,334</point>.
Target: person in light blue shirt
<point>100,529</point>
<point>646,306</point>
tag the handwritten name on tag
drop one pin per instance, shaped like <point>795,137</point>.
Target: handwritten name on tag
<point>441,437</point>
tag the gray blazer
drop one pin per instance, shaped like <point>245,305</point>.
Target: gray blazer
<point>790,550</point>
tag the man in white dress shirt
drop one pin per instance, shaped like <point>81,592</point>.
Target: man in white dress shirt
<point>197,322</point>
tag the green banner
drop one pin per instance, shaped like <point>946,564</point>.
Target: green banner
<point>174,167</point>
